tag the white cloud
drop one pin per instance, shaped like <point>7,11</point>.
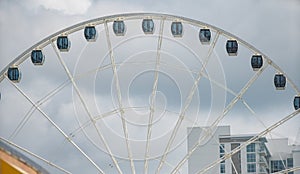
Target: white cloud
<point>68,7</point>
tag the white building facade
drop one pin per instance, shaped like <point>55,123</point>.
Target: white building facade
<point>261,157</point>
<point>283,155</point>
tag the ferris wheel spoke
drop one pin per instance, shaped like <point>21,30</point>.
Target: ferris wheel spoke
<point>56,126</point>
<point>179,165</point>
<point>85,105</point>
<point>293,169</point>
<point>153,95</point>
<point>176,67</point>
<point>217,121</point>
<point>108,66</point>
<point>35,155</point>
<point>187,103</point>
<point>169,164</point>
<point>101,116</point>
<point>119,96</point>
<point>232,163</point>
<point>231,92</point>
<point>241,93</point>
<point>251,140</point>
<point>225,151</point>
<point>176,170</point>
<point>32,109</point>
<point>214,82</point>
<point>22,123</point>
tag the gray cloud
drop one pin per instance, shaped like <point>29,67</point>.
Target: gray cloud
<point>272,27</point>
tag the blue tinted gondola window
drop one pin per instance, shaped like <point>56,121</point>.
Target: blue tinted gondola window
<point>37,57</point>
<point>279,81</point>
<point>14,74</point>
<point>232,47</point>
<point>90,33</point>
<point>256,62</point>
<point>176,29</point>
<point>297,102</point>
<point>63,43</point>
<point>148,26</point>
<point>119,28</point>
<point>204,36</point>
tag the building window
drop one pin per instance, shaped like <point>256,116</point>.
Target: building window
<point>222,148</point>
<point>222,168</point>
<point>290,164</point>
<point>222,153</point>
<point>251,168</point>
<point>277,165</point>
<point>251,148</point>
<point>251,157</point>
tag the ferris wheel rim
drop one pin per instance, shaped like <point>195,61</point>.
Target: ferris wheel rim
<point>134,16</point>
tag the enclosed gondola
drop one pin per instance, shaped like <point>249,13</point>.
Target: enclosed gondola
<point>204,36</point>
<point>63,43</point>
<point>279,81</point>
<point>119,28</point>
<point>177,29</point>
<point>232,47</point>
<point>148,26</point>
<point>37,57</point>
<point>14,74</point>
<point>256,62</point>
<point>90,33</point>
<point>297,102</point>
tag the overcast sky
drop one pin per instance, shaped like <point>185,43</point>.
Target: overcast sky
<point>272,26</point>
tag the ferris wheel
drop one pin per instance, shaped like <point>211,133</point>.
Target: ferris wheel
<point>121,98</point>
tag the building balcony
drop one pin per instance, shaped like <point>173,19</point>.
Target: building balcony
<point>263,162</point>
<point>262,152</point>
<point>263,170</point>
